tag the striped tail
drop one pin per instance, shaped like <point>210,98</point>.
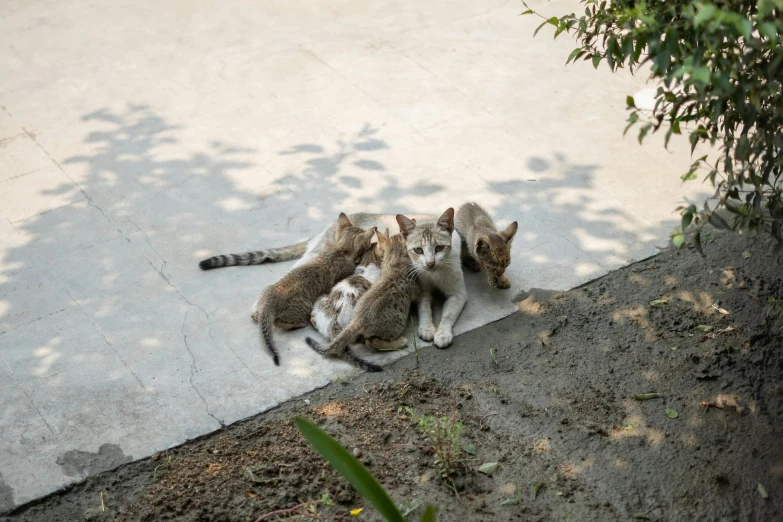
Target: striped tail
<point>347,355</point>
<point>361,363</point>
<point>339,344</point>
<point>273,255</point>
<point>265,325</point>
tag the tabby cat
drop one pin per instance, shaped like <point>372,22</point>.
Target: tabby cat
<point>483,247</point>
<point>333,312</point>
<point>381,314</point>
<point>288,302</point>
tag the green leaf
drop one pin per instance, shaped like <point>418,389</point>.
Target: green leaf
<point>687,218</point>
<point>488,468</point>
<point>349,467</point>
<point>689,176</point>
<point>647,396</point>
<point>643,131</point>
<point>744,27</point>
<point>529,11</point>
<point>539,27</point>
<point>762,491</point>
<point>596,60</point>
<point>704,328</point>
<point>701,74</point>
<point>678,240</point>
<point>573,54</point>
<point>746,255</point>
<point>704,15</point>
<point>672,414</point>
<point>769,30</point>
<point>430,514</point>
<point>469,448</point>
<point>630,101</point>
<point>659,303</point>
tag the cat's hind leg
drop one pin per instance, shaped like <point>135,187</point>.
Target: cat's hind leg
<point>285,325</point>
<point>382,345</point>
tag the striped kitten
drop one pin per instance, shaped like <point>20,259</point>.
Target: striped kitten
<point>483,246</point>
<point>333,312</point>
<point>288,302</point>
<point>381,314</point>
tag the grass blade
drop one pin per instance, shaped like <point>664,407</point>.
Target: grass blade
<point>430,514</point>
<point>350,468</point>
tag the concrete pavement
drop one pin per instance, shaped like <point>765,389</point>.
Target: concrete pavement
<point>137,138</point>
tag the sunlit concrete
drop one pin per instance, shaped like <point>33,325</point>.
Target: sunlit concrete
<point>139,137</point>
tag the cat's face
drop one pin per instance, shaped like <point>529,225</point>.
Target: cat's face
<point>494,253</point>
<point>428,244</point>
<point>353,239</point>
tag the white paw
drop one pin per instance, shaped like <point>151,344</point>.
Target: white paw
<point>427,332</point>
<point>254,311</point>
<point>443,338</point>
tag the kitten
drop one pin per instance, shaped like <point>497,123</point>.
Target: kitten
<point>434,250</point>
<point>333,312</point>
<point>483,246</point>
<point>289,301</point>
<point>381,315</point>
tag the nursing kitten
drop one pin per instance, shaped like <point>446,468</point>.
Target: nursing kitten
<point>288,302</point>
<point>483,246</point>
<point>333,312</point>
<point>434,250</point>
<point>381,314</point>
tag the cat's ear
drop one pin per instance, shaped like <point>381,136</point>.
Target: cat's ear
<point>413,220</point>
<point>446,221</point>
<point>482,246</point>
<point>367,236</point>
<point>508,233</point>
<point>343,221</point>
<point>406,225</point>
<point>383,239</point>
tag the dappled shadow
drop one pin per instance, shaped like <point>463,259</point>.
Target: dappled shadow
<point>103,307</point>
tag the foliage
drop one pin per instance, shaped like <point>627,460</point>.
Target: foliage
<point>354,472</point>
<point>443,436</point>
<point>719,65</point>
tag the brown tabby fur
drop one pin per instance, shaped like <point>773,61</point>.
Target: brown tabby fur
<point>484,248</point>
<point>381,314</point>
<point>288,302</point>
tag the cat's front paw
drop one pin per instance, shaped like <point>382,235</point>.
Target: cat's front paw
<point>443,338</point>
<point>504,283</point>
<point>427,332</point>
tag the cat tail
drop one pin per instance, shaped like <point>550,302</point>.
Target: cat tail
<point>266,313</point>
<point>361,363</point>
<point>339,347</point>
<point>272,255</point>
<point>339,344</point>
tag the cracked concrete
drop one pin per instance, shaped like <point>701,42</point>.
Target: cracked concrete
<point>138,138</point>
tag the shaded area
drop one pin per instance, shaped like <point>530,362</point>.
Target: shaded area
<point>76,463</point>
<point>547,393</point>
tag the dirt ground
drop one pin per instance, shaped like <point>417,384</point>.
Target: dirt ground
<point>547,393</point>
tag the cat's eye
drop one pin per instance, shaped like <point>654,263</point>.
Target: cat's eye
<point>439,248</point>
<point>418,250</point>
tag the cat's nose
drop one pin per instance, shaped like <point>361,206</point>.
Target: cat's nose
<point>430,264</point>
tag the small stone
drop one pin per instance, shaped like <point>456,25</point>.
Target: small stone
<point>357,452</point>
